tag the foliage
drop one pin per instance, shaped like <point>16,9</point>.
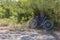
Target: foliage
<point>23,10</point>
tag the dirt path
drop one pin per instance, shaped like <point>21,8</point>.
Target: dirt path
<point>29,34</point>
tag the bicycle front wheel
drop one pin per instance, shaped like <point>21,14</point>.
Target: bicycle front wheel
<point>33,24</point>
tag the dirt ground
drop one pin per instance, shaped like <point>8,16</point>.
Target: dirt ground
<point>41,33</point>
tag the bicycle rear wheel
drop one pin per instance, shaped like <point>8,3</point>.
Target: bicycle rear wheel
<point>48,25</point>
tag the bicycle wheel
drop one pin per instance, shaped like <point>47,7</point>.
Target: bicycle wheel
<point>48,24</point>
<point>33,24</point>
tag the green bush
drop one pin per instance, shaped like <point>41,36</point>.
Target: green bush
<point>24,10</point>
